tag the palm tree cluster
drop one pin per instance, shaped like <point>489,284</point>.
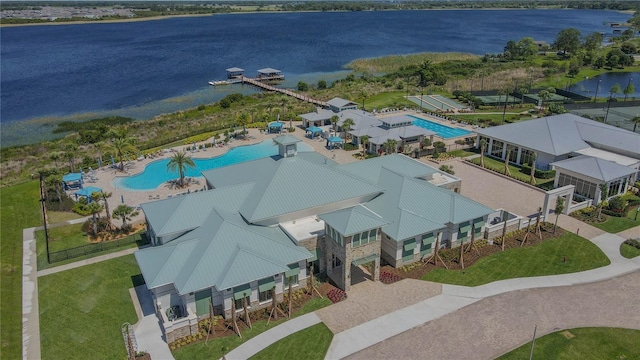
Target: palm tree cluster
<point>180,162</point>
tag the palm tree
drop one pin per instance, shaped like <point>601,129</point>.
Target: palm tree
<point>124,213</point>
<point>289,111</point>
<point>534,156</point>
<point>558,210</point>
<point>122,145</point>
<point>629,89</point>
<point>55,156</point>
<point>346,126</point>
<point>483,146</point>
<point>604,194</point>
<point>104,195</point>
<point>180,162</point>
<point>334,121</point>
<point>523,90</point>
<point>546,95</point>
<point>390,146</point>
<point>70,153</point>
<point>100,145</point>
<point>635,122</point>
<point>364,140</point>
<point>243,119</point>
<point>54,181</point>
<point>94,208</point>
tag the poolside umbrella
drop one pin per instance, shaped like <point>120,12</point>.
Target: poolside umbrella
<point>113,162</point>
<point>195,147</point>
<point>99,163</point>
<point>122,198</point>
<point>80,167</point>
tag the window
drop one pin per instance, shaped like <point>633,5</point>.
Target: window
<point>294,280</point>
<point>355,241</point>
<point>372,236</point>
<point>496,149</point>
<point>240,305</point>
<point>265,287</point>
<point>526,157</point>
<point>513,156</point>
<point>408,249</point>
<point>426,243</point>
<point>583,188</point>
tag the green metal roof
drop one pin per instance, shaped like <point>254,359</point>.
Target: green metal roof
<point>186,212</point>
<point>416,207</point>
<point>370,169</point>
<point>286,140</point>
<point>224,252</point>
<point>353,220</point>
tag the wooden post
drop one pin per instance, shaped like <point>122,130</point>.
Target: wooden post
<point>526,234</point>
<point>473,238</point>
<point>209,330</point>
<point>506,161</point>
<point>234,319</point>
<point>504,232</point>
<point>462,252</point>
<point>290,296</point>
<point>313,284</point>
<point>247,319</point>
<point>537,230</point>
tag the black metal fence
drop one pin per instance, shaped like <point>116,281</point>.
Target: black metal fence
<point>140,239</point>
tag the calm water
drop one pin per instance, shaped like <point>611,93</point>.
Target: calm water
<point>603,83</point>
<point>443,131</point>
<point>141,69</point>
<point>156,174</point>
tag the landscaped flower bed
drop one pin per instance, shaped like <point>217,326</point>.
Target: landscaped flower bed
<point>389,278</point>
<point>336,295</point>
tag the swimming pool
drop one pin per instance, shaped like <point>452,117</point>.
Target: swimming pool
<point>442,131</point>
<point>156,174</point>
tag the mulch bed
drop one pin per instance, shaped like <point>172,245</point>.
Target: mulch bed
<point>224,328</point>
<point>451,256</point>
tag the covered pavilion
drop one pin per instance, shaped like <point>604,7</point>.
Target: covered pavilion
<point>334,141</point>
<point>275,127</point>
<point>312,131</point>
<point>72,181</point>
<point>86,192</point>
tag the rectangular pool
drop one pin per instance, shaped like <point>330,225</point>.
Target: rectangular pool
<point>442,131</point>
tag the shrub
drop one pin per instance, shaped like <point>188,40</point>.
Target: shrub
<point>616,204</point>
<point>633,242</point>
<point>350,147</point>
<point>540,174</point>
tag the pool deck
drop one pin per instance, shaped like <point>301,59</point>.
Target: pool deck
<point>105,175</point>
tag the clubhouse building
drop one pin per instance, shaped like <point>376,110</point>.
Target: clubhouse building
<point>265,224</point>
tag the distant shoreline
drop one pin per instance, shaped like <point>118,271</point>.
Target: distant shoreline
<point>161,17</point>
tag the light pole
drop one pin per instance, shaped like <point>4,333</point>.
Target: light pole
<point>595,97</point>
<point>421,95</point>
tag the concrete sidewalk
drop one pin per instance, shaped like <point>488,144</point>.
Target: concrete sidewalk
<point>260,342</point>
<point>30,310</point>
<point>148,330</point>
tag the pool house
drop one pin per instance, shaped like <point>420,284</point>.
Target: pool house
<point>583,152</point>
<point>263,225</point>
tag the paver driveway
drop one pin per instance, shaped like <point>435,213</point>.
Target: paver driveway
<point>496,325</point>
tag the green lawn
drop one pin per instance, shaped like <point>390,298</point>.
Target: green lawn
<point>629,251</point>
<point>19,208</point>
<point>82,309</point>
<point>545,258</point>
<point>587,343</point>
<point>61,216</point>
<point>498,166</point>
<point>214,348</point>
<point>64,237</point>
<point>310,343</point>
<point>616,224</point>
<point>460,153</point>
<point>386,99</point>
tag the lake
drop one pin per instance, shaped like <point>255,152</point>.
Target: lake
<point>142,69</point>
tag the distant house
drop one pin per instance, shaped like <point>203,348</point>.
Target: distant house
<point>338,104</point>
<point>584,153</point>
<point>264,224</point>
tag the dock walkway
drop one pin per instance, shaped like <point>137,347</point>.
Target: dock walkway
<point>287,92</point>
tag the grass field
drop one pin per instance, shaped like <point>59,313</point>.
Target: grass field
<point>82,309</point>
<point>19,208</point>
<point>386,99</point>
<point>310,343</point>
<point>616,224</point>
<point>586,343</point>
<point>60,216</point>
<point>498,166</point>
<point>629,251</point>
<point>216,348</point>
<point>543,259</point>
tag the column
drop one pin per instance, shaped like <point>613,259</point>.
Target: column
<point>376,269</point>
<point>346,274</point>
<point>490,146</point>
<point>519,155</point>
<point>504,150</point>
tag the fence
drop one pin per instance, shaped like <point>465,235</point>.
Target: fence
<point>88,249</point>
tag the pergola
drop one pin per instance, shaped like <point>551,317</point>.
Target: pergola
<point>334,141</point>
<point>72,181</point>
<point>313,131</point>
<point>86,192</point>
<point>275,127</point>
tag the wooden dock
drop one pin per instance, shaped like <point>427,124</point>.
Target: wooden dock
<point>267,87</point>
